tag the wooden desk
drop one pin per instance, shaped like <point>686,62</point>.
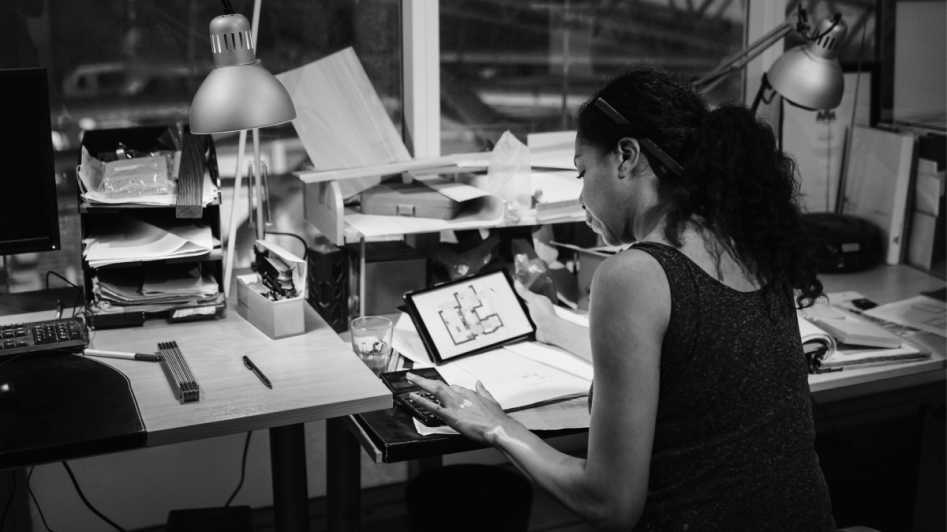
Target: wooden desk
<point>389,436</point>
<point>315,376</point>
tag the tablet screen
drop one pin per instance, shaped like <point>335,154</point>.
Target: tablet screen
<point>471,314</point>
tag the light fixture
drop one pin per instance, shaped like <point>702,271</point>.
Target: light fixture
<point>807,76</point>
<point>239,95</point>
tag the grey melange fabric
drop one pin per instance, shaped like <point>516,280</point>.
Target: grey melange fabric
<point>733,441</point>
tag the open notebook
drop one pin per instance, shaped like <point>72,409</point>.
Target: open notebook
<point>835,338</point>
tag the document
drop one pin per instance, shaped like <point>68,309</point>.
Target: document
<point>514,381</point>
<point>340,119</point>
<point>132,240</point>
<point>569,414</point>
<point>920,312</point>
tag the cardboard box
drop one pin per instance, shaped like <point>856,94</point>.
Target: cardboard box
<point>280,318</point>
<point>412,199</point>
<point>277,319</point>
<point>588,261</point>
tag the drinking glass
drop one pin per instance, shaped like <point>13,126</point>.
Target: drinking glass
<point>371,341</point>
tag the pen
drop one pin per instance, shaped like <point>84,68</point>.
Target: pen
<point>149,357</point>
<point>256,371</point>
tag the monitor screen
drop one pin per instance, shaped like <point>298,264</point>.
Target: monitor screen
<point>29,217</point>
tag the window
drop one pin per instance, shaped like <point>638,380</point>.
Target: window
<point>527,66</point>
<point>130,63</point>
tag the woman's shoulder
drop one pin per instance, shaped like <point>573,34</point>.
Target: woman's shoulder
<point>635,276</point>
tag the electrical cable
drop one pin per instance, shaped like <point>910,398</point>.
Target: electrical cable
<point>3,520</point>
<point>35,502</point>
<point>81,294</point>
<point>243,469</point>
<point>297,237</point>
<point>86,501</point>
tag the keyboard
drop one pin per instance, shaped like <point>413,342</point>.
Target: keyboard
<point>67,334</point>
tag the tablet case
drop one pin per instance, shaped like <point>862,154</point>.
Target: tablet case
<point>408,199</point>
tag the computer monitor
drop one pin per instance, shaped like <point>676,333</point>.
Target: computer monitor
<point>29,215</point>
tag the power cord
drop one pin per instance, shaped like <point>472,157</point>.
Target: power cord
<point>35,502</point>
<point>3,520</point>
<point>86,501</point>
<point>297,237</point>
<point>243,469</point>
<point>80,295</point>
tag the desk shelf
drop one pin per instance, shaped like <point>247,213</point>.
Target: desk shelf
<point>198,159</point>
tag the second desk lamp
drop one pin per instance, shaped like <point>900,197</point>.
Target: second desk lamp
<point>807,76</point>
<point>239,95</point>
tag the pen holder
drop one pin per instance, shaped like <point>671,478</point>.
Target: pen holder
<point>277,319</point>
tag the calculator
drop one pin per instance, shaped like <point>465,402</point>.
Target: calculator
<point>402,388</point>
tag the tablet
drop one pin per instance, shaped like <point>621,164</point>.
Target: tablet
<point>469,316</point>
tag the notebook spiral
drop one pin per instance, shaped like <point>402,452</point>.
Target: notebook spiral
<point>178,372</point>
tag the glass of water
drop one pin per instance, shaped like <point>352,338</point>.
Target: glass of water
<point>371,341</point>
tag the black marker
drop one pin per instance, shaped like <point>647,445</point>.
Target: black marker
<point>256,371</point>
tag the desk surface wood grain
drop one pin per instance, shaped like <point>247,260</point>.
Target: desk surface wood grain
<point>315,376</point>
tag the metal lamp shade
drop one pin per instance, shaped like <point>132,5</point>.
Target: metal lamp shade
<point>807,80</point>
<point>239,97</point>
<point>810,76</point>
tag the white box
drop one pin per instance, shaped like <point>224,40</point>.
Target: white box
<point>277,319</point>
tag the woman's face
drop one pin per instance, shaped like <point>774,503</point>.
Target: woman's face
<point>618,200</point>
<point>601,194</point>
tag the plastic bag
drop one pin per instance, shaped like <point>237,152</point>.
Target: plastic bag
<point>535,276</point>
<point>141,176</point>
<point>508,176</point>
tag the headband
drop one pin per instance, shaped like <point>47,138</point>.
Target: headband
<point>649,146</point>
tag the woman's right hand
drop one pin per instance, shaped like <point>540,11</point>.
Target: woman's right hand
<point>540,310</point>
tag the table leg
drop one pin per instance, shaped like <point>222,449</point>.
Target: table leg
<point>343,478</point>
<point>416,467</point>
<point>288,462</point>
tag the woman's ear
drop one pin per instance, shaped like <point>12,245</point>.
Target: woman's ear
<point>629,152</point>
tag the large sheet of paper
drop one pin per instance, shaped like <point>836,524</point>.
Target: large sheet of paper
<point>340,119</point>
<point>877,184</point>
<point>817,140</point>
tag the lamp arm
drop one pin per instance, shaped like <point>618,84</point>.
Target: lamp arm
<point>741,58</point>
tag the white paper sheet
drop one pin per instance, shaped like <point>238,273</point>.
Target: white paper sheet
<point>554,357</point>
<point>515,381</point>
<point>132,240</point>
<point>920,312</point>
<point>552,150</point>
<point>406,340</point>
<point>568,414</point>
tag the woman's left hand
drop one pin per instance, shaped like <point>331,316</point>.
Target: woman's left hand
<point>473,413</point>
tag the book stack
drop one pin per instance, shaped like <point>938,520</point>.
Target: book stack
<point>834,338</point>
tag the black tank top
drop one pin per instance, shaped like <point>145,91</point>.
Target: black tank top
<point>733,441</point>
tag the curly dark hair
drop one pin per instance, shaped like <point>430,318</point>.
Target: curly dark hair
<point>736,181</point>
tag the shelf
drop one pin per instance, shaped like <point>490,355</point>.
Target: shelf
<point>102,208</point>
<point>215,255</point>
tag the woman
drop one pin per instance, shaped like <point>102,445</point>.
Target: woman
<point>700,418</point>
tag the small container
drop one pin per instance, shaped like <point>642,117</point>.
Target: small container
<point>411,199</point>
<point>277,319</point>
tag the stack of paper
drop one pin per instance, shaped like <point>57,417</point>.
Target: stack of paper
<point>169,285</point>
<point>132,240</point>
<point>838,354</point>
<point>557,195</point>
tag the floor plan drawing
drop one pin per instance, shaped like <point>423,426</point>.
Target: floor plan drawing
<point>470,315</point>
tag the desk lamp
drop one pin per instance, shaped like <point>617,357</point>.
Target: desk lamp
<point>807,76</point>
<point>239,95</point>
